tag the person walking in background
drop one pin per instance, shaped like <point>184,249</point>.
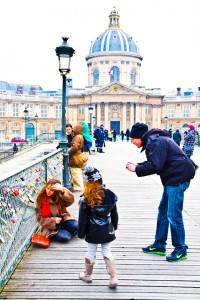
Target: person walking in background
<point>177,137</point>
<point>189,140</point>
<point>122,135</point>
<point>170,133</point>
<point>114,135</point>
<point>99,136</point>
<point>127,134</point>
<point>51,211</point>
<point>15,149</point>
<point>97,222</point>
<point>164,157</point>
<point>77,159</point>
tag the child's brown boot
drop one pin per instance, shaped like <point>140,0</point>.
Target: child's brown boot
<point>111,268</point>
<point>87,274</point>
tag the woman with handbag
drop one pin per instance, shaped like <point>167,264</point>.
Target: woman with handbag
<point>51,211</point>
<point>77,158</point>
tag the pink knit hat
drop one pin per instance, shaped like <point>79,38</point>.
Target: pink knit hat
<point>191,126</point>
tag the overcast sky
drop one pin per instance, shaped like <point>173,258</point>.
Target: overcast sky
<point>167,33</point>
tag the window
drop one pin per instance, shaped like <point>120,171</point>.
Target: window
<point>15,110</point>
<point>148,109</point>
<point>15,133</point>
<point>132,77</point>
<point>30,110</point>
<point>2,109</point>
<point>58,111</point>
<point>2,135</point>
<point>186,111</point>
<point>81,110</point>
<point>96,77</point>
<point>198,111</point>
<point>170,111</point>
<point>114,74</point>
<point>43,111</point>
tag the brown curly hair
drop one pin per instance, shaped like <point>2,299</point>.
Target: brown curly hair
<point>93,193</point>
<point>56,196</point>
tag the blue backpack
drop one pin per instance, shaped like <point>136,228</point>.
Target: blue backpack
<point>87,145</point>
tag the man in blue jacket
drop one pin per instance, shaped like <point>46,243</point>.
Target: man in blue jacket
<point>166,159</point>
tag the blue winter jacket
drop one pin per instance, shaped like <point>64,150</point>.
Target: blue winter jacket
<point>164,158</point>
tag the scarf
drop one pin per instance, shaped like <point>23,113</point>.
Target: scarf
<point>46,206</point>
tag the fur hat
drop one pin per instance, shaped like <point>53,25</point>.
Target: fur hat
<point>92,175</point>
<point>137,130</point>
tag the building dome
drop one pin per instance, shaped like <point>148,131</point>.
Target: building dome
<point>114,39</point>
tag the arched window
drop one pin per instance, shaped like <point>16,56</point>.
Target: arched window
<point>132,77</point>
<point>96,77</point>
<point>185,125</point>
<point>114,74</point>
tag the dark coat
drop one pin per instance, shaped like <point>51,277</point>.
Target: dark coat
<point>177,137</point>
<point>164,158</point>
<point>97,225</point>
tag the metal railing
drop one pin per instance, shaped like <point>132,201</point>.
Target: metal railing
<point>17,208</point>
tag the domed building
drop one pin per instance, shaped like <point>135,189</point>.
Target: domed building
<point>114,57</point>
<point>114,90</point>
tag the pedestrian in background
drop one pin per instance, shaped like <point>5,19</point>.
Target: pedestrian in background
<point>15,149</point>
<point>122,135</point>
<point>189,140</point>
<point>97,222</point>
<point>127,134</point>
<point>177,137</point>
<point>164,157</point>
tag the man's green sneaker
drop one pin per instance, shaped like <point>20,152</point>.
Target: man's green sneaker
<point>153,250</point>
<point>176,256</point>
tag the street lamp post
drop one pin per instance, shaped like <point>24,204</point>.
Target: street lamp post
<point>64,53</point>
<point>90,108</point>
<point>25,120</point>
<point>166,118</point>
<point>36,118</point>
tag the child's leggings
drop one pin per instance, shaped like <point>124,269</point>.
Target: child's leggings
<point>105,250</point>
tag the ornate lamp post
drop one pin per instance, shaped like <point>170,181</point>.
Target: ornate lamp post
<point>90,108</point>
<point>64,53</point>
<point>36,118</point>
<point>26,118</point>
<point>166,118</point>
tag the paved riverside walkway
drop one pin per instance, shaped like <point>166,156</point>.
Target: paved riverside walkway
<point>53,273</point>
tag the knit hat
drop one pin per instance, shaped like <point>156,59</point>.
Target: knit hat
<point>137,130</point>
<point>191,126</point>
<point>92,175</point>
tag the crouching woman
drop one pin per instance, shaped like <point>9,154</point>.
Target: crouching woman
<point>51,211</point>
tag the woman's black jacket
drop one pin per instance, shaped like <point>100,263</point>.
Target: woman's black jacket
<point>97,225</point>
<point>165,158</point>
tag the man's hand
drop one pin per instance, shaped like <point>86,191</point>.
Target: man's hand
<point>131,166</point>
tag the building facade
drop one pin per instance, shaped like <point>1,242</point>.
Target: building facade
<point>113,91</point>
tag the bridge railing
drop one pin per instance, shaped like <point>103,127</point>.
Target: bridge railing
<point>17,208</point>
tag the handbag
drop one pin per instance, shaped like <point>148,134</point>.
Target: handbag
<point>40,240</point>
<point>188,148</point>
<point>80,159</point>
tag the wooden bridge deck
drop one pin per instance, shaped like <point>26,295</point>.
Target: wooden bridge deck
<point>53,273</point>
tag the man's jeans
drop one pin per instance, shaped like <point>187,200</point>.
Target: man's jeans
<point>170,212</point>
<point>66,231</point>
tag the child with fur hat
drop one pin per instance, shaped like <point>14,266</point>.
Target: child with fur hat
<point>98,220</point>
